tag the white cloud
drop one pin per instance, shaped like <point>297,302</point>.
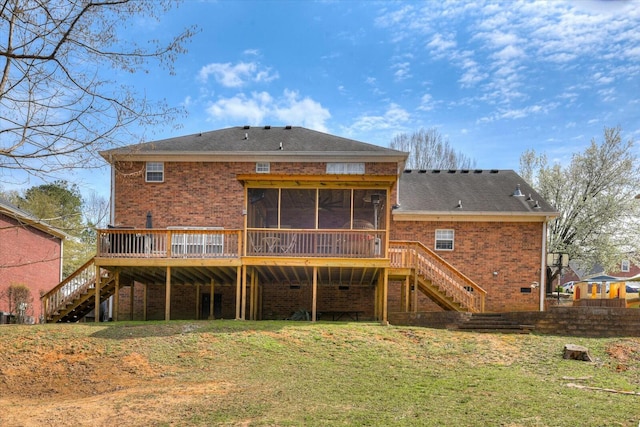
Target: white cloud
<point>236,75</point>
<point>251,110</point>
<point>305,112</point>
<point>403,71</point>
<point>439,45</point>
<point>394,117</point>
<point>257,107</point>
<point>518,113</point>
<point>426,103</point>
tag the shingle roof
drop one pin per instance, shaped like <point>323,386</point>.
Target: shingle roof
<point>478,191</point>
<point>25,217</point>
<point>286,140</point>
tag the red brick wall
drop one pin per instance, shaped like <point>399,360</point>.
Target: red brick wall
<point>183,301</point>
<point>198,193</point>
<point>29,257</point>
<point>280,301</point>
<point>512,250</point>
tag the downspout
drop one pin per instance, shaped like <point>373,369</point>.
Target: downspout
<point>112,196</point>
<point>543,264</point>
<point>61,259</point>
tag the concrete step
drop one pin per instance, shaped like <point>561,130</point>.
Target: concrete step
<point>493,322</point>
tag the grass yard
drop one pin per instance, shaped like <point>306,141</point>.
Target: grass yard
<point>234,373</point>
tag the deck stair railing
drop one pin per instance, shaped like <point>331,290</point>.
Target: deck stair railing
<point>438,279</point>
<point>74,297</point>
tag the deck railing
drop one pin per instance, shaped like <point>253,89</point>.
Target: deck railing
<point>69,289</point>
<point>324,243</point>
<point>431,266</point>
<point>169,243</point>
<point>218,243</point>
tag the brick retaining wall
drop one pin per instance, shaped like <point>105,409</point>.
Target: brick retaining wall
<point>592,322</point>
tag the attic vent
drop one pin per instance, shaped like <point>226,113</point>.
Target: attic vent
<point>477,171</point>
<point>452,171</point>
<point>494,170</point>
<point>464,171</point>
<point>246,127</point>
<point>435,171</point>
<point>267,127</point>
<point>422,171</point>
<point>287,127</point>
<point>407,171</point>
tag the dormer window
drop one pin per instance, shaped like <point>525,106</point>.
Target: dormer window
<point>155,172</point>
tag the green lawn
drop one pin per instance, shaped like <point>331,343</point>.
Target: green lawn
<point>297,373</point>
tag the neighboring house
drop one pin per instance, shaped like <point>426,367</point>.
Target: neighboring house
<point>30,255</point>
<point>268,223</point>
<point>626,268</point>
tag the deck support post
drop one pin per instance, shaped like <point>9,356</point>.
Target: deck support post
<point>116,296</point>
<point>407,295</point>
<point>385,295</point>
<point>415,292</point>
<point>167,297</point>
<point>314,301</point>
<point>252,294</point>
<point>211,299</point>
<point>243,303</point>
<point>96,308</point>
<point>238,291</point>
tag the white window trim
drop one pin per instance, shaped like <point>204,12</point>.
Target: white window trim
<point>625,266</point>
<point>345,168</point>
<point>445,239</point>
<point>147,171</point>
<point>263,167</point>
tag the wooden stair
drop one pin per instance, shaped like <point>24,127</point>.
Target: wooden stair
<point>436,278</point>
<point>493,323</point>
<point>74,297</point>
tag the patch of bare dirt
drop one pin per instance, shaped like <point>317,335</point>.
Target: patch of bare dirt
<point>80,383</point>
<point>624,353</point>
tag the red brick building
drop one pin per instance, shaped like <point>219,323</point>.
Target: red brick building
<point>269,223</point>
<point>30,255</point>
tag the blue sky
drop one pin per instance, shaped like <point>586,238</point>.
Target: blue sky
<point>495,78</point>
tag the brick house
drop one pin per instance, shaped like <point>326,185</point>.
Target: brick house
<point>30,255</point>
<point>266,222</point>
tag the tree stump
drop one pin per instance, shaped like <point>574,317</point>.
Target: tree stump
<point>577,352</point>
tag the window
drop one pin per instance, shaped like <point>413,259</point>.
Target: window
<point>625,265</point>
<point>155,172</point>
<point>345,168</point>
<point>444,240</point>
<point>263,167</point>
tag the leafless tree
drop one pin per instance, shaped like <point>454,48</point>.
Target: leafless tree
<point>19,301</point>
<point>60,62</point>
<point>428,149</point>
